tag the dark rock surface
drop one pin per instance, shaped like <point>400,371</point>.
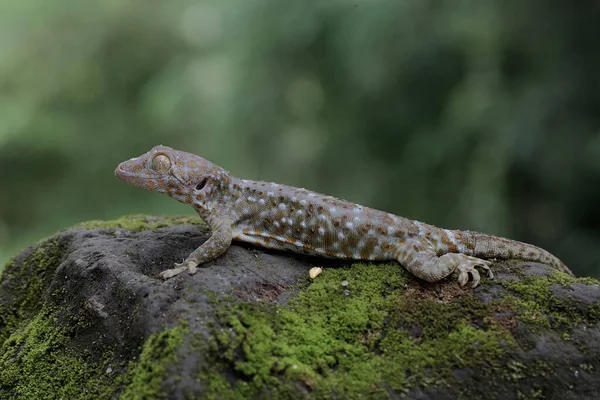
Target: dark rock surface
<point>84,315</point>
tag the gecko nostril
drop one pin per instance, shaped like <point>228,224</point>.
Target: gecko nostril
<point>201,185</point>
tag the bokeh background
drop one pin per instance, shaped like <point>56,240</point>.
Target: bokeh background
<point>479,115</point>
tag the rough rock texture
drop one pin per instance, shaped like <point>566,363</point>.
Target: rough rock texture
<point>83,315</point>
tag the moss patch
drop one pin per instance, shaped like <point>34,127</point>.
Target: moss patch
<point>535,304</point>
<point>373,334</point>
<point>158,355</point>
<point>28,284</point>
<point>36,363</point>
<point>138,223</point>
<point>37,355</point>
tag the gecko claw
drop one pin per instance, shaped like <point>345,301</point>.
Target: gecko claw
<point>169,273</point>
<point>468,268</point>
<point>190,266</point>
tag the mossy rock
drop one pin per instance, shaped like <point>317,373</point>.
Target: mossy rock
<point>83,315</point>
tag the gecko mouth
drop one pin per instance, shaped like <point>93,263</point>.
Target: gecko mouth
<point>125,175</point>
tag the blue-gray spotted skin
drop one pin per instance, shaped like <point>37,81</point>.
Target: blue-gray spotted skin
<point>288,218</point>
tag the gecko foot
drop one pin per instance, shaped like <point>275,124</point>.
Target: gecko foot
<point>468,266</point>
<point>190,266</point>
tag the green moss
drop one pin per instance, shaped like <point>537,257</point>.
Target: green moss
<point>28,284</point>
<point>331,343</point>
<point>535,304</point>
<point>36,363</point>
<point>138,223</point>
<point>35,358</point>
<point>158,355</point>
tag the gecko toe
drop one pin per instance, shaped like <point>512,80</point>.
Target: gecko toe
<point>476,278</point>
<point>463,278</point>
<point>169,273</point>
<point>488,270</point>
<point>468,268</point>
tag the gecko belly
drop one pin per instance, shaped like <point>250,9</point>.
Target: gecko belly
<point>365,249</point>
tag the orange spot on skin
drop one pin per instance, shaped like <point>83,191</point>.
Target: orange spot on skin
<point>369,246</point>
<point>451,246</point>
<point>388,220</point>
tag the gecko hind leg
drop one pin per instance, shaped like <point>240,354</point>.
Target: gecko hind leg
<point>420,259</point>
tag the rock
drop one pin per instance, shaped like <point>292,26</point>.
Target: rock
<point>83,314</point>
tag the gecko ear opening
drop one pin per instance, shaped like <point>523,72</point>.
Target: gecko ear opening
<point>202,183</point>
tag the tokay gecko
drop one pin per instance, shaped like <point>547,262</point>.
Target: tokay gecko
<point>289,218</point>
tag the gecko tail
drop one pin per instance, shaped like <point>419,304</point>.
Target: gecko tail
<point>489,246</point>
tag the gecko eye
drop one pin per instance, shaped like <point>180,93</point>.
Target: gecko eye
<point>161,164</point>
<point>202,183</point>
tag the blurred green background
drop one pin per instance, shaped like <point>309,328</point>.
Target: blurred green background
<point>480,115</point>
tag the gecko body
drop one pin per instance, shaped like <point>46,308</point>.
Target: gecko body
<point>283,217</point>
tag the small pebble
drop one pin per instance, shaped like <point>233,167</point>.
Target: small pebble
<point>344,283</point>
<point>346,292</point>
<point>109,370</point>
<point>314,272</point>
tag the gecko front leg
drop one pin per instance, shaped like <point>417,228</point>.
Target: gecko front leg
<point>216,245</point>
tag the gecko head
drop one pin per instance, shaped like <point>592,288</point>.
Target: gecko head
<point>181,175</point>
